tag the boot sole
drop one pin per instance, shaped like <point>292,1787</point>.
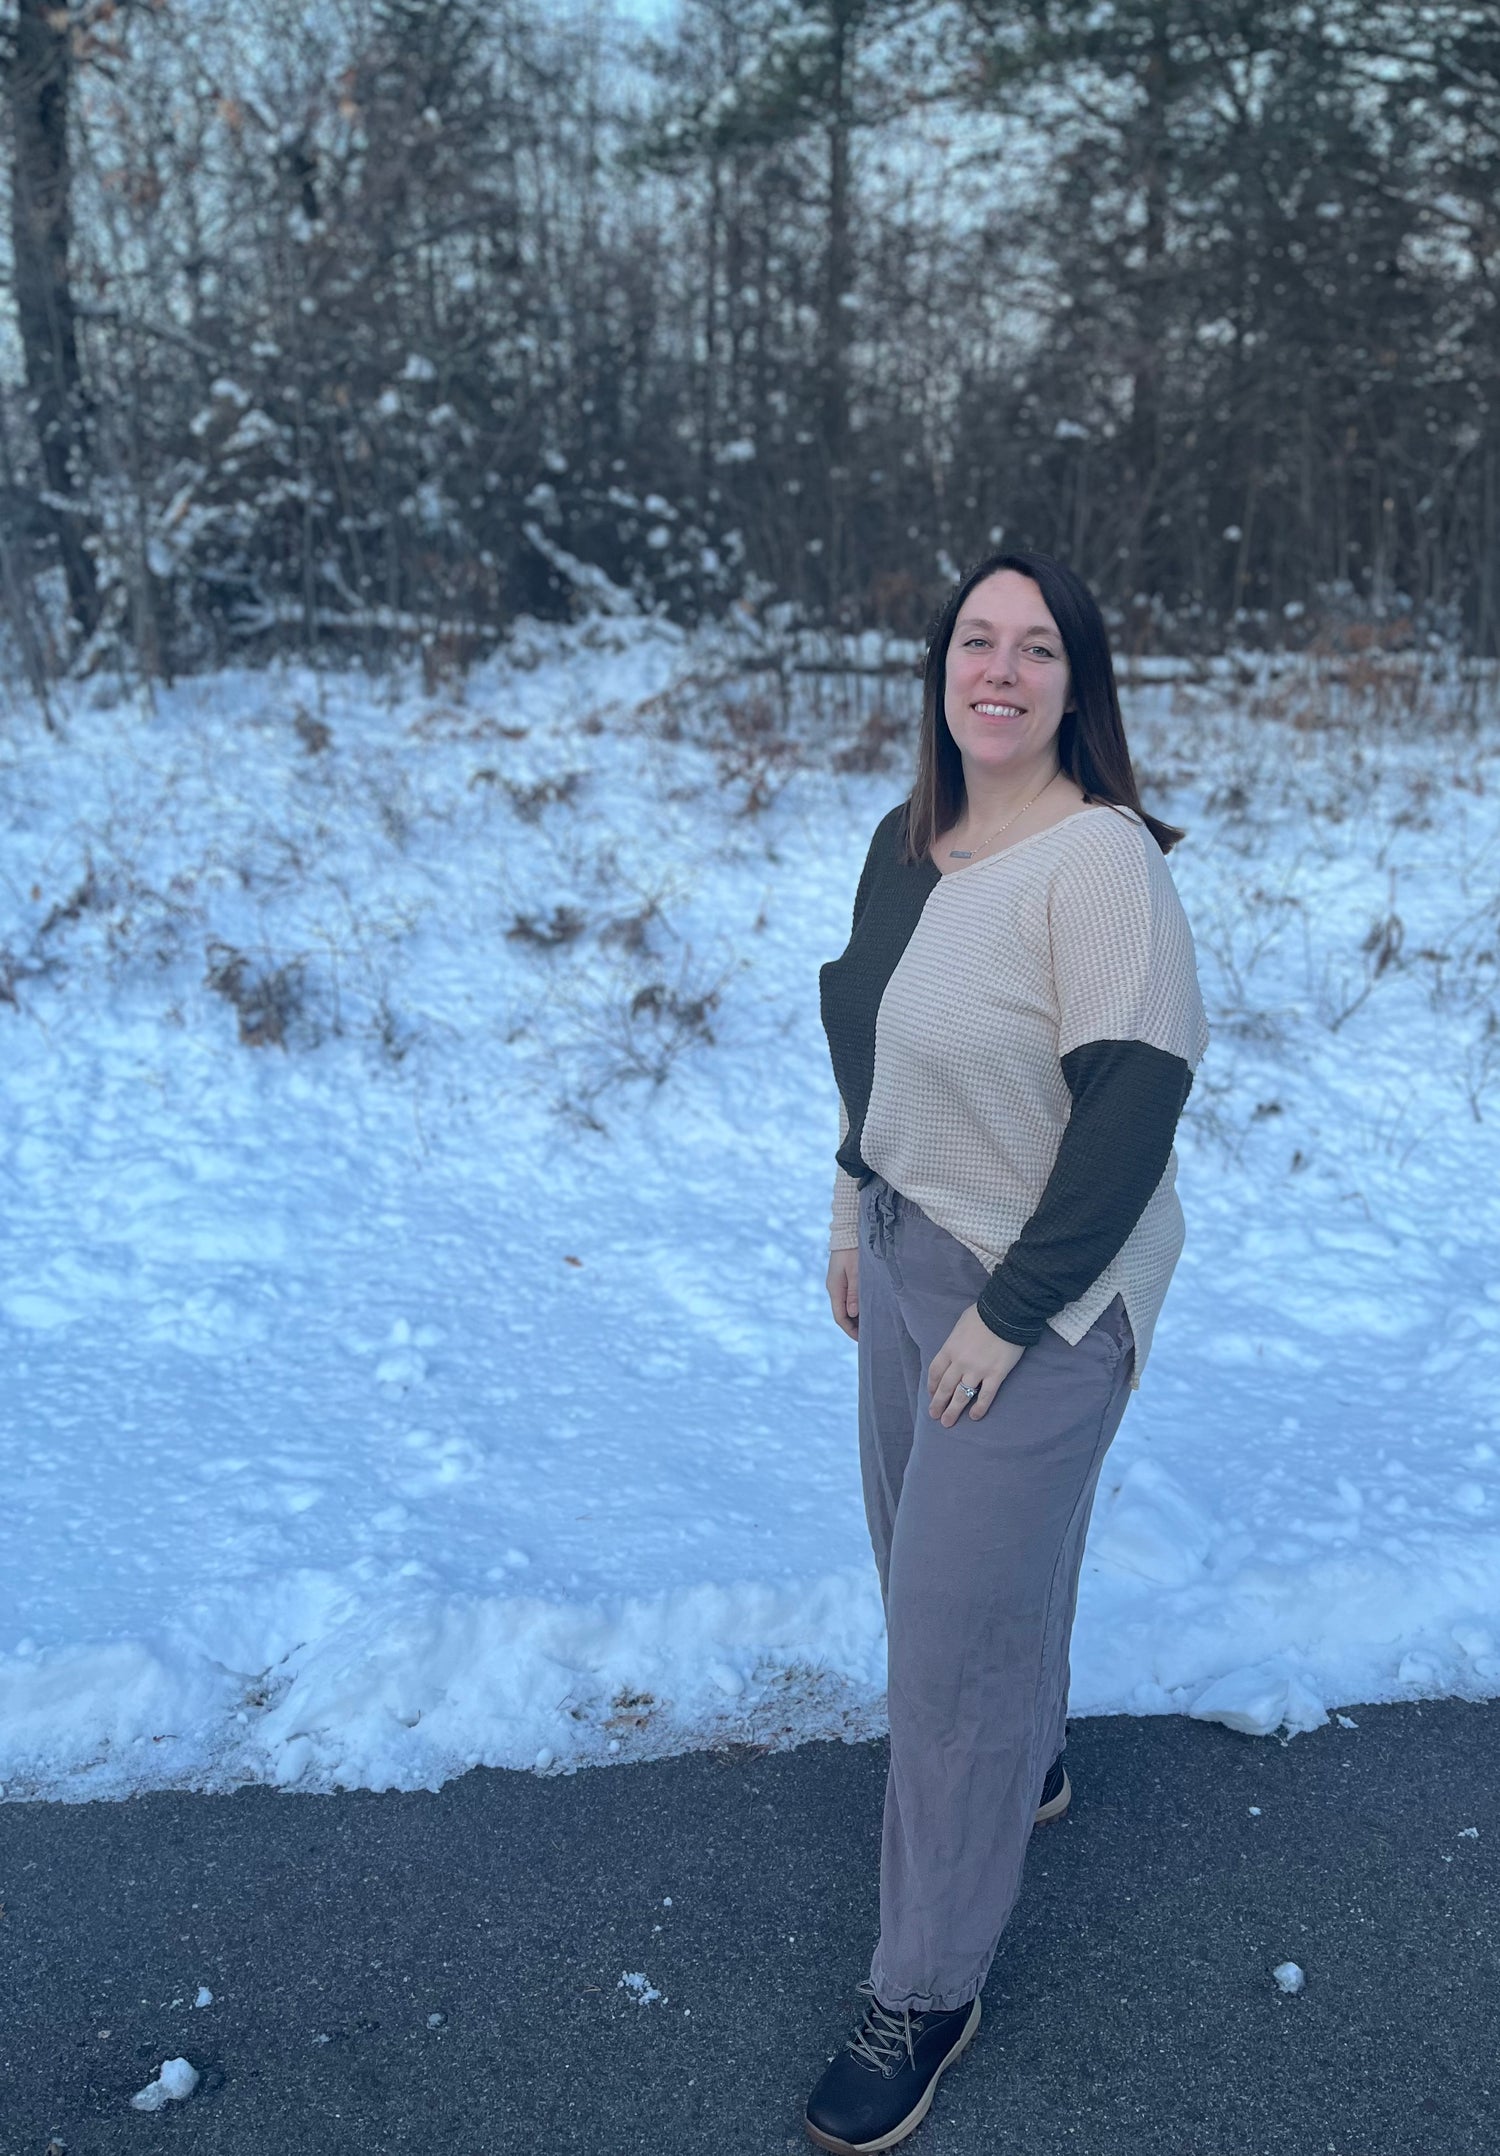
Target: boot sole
<point>1059,1803</point>
<point>913,2118</point>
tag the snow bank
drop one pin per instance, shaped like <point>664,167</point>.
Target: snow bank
<point>415,1163</point>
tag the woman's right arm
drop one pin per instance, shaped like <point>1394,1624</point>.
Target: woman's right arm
<point>843,1255</point>
<point>843,1290</point>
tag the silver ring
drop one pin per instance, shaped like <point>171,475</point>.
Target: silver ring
<point>970,1392</point>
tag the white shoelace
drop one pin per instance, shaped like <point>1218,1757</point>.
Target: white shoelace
<point>882,2034</point>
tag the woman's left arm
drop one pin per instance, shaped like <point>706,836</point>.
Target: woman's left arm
<point>1132,1017</point>
<point>1127,1097</point>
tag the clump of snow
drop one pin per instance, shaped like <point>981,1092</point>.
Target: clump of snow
<point>1259,1699</point>
<point>644,1993</point>
<point>205,1996</point>
<point>416,1137</point>
<point>176,2081</point>
<point>1289,1978</point>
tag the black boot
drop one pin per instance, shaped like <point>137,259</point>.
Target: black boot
<point>880,2086</point>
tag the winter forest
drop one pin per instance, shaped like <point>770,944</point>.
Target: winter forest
<point>339,330</point>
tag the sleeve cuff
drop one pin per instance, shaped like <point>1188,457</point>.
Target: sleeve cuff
<point>998,1311</point>
<point>844,1231</point>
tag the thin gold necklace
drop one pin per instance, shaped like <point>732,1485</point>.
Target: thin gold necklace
<point>956,853</point>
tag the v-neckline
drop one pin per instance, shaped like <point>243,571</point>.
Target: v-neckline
<point>948,875</point>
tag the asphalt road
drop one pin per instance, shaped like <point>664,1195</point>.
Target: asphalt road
<point>1131,2010</point>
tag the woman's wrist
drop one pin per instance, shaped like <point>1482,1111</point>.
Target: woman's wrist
<point>997,1307</point>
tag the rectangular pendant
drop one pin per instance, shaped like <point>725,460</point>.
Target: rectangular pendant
<point>955,855</point>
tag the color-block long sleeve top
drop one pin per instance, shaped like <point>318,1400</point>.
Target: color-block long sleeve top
<point>1013,1045</point>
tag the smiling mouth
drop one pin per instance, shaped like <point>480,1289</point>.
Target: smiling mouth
<point>999,711</point>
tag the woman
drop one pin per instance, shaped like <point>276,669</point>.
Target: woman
<point>1014,1029</point>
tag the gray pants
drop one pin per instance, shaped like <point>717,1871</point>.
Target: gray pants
<point>978,1534</point>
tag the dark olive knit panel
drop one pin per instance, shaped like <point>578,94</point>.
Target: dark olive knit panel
<point>1127,1097</point>
<point>887,907</point>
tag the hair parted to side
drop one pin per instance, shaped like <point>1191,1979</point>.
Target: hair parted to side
<point>1091,745</point>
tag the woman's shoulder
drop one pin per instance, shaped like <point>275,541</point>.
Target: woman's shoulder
<point>1108,857</point>
<point>883,857</point>
<point>1104,813</point>
<point>892,823</point>
<point>1111,830</point>
<point>887,839</point>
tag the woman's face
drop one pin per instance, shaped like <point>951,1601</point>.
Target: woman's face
<point>1007,681</point>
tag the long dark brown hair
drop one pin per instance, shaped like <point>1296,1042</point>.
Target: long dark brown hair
<point>1091,745</point>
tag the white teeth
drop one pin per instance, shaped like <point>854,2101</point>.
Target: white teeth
<point>999,711</point>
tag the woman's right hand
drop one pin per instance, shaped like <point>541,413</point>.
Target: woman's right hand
<point>843,1290</point>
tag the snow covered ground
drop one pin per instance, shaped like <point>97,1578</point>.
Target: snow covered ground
<point>414,1171</point>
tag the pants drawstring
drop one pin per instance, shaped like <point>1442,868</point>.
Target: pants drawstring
<point>885,1204</point>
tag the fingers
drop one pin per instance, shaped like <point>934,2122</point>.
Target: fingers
<point>983,1404</point>
<point>947,1401</point>
<point>843,1299</point>
<point>945,1380</point>
<point>957,1402</point>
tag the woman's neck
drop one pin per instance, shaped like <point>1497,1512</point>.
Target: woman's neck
<point>992,796</point>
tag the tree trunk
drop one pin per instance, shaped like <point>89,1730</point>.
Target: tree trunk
<point>39,83</point>
<point>838,266</point>
<point>1146,370</point>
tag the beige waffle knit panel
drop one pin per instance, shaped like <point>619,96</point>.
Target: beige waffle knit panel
<point>844,1232</point>
<point>1075,934</point>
